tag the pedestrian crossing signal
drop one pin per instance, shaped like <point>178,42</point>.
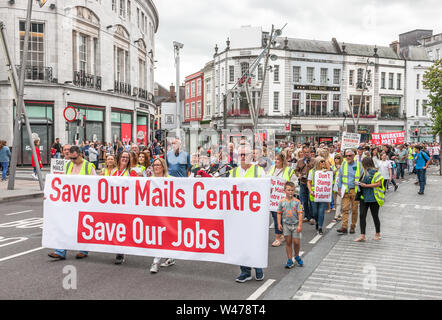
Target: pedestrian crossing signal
<point>42,2</point>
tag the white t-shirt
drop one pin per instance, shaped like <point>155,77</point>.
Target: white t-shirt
<point>436,150</point>
<point>384,167</point>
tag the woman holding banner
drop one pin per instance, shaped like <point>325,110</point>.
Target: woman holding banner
<point>160,170</point>
<point>281,169</point>
<point>318,207</point>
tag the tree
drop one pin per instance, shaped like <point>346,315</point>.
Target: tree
<point>433,82</point>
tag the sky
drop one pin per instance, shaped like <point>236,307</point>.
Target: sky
<point>200,24</point>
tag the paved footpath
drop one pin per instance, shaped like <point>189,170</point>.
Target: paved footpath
<point>405,264</point>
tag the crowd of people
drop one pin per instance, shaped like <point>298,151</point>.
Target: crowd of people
<point>361,177</point>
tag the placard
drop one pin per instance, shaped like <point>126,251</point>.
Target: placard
<point>57,166</point>
<point>350,141</point>
<point>323,186</point>
<point>277,192</point>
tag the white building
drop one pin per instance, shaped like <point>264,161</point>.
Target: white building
<point>98,59</point>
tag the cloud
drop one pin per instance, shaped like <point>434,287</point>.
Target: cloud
<point>201,24</point>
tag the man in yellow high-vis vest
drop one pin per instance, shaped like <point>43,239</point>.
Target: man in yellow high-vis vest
<point>350,174</point>
<point>246,169</point>
<point>77,166</point>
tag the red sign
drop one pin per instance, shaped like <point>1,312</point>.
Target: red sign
<point>126,132</point>
<point>142,134</point>
<point>393,138</point>
<point>70,114</point>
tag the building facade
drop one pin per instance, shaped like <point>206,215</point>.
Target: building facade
<point>97,59</point>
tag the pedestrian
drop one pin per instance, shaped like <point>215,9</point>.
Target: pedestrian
<point>373,196</point>
<point>337,200</point>
<point>93,155</point>
<point>402,161</point>
<point>5,155</point>
<point>410,160</point>
<point>37,151</point>
<point>178,161</point>
<point>160,170</point>
<point>110,166</point>
<point>349,176</point>
<point>247,170</point>
<point>290,223</point>
<point>57,147</point>
<point>66,149</point>
<point>386,170</point>
<point>422,161</point>
<point>282,170</point>
<point>318,207</point>
<point>303,167</point>
<point>76,166</point>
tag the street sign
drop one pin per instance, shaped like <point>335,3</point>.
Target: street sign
<point>70,114</point>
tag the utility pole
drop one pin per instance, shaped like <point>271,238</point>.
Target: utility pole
<point>177,46</point>
<point>19,94</point>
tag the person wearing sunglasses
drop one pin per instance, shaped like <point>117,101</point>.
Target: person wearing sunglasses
<point>349,176</point>
<point>76,166</point>
<point>317,207</point>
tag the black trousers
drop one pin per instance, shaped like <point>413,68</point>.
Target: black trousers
<point>363,210</point>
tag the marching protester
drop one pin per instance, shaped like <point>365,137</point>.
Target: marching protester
<point>303,167</point>
<point>94,155</point>
<point>109,166</point>
<point>422,161</point>
<point>317,207</point>
<point>5,155</point>
<point>337,200</point>
<point>178,161</point>
<point>160,170</point>
<point>282,170</point>
<point>290,223</point>
<point>76,166</point>
<point>247,170</point>
<point>386,170</point>
<point>372,197</point>
<point>66,149</point>
<point>349,176</point>
<point>40,163</point>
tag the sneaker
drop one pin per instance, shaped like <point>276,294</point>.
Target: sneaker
<point>342,231</point>
<point>169,262</point>
<point>312,221</point>
<point>317,227</point>
<point>290,264</point>
<point>154,268</point>
<point>299,261</point>
<point>320,231</point>
<point>243,278</point>
<point>305,220</point>
<point>120,259</point>
<point>395,187</point>
<point>259,276</point>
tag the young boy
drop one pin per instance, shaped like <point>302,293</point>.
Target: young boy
<point>290,212</point>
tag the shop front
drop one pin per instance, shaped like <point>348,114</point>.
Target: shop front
<point>121,125</point>
<point>40,115</point>
<point>89,124</point>
<point>142,128</point>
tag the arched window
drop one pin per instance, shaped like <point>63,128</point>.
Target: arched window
<point>121,55</point>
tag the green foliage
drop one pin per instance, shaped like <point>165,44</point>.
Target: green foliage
<point>433,82</point>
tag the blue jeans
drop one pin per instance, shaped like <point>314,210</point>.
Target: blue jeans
<point>62,252</point>
<point>422,178</point>
<point>318,212</point>
<point>275,221</point>
<point>57,155</point>
<point>248,271</point>
<point>400,170</point>
<point>5,166</point>
<point>304,195</point>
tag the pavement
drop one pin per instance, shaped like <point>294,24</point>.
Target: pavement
<point>404,265</point>
<point>25,186</point>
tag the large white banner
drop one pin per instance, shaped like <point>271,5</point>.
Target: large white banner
<point>220,220</point>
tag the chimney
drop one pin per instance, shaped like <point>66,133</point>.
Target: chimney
<point>395,46</point>
<point>172,91</point>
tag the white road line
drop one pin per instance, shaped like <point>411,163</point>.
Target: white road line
<point>315,239</point>
<point>261,290</point>
<point>331,225</point>
<point>20,254</point>
<point>15,213</point>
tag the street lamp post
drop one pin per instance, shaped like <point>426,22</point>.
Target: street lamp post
<point>177,46</point>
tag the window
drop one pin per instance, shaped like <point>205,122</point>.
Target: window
<point>129,9</point>
<point>296,74</point>
<point>295,103</point>
<point>276,74</point>
<point>355,102</point>
<point>350,77</point>
<point>138,17</point>
<point>193,89</point>
<point>231,73</point>
<point>244,69</point>
<point>418,76</point>
<point>143,23</point>
<point>324,76</point>
<point>424,107</point>
<point>360,81</point>
<point>336,103</point>
<point>222,76</point>
<point>390,107</point>
<point>437,54</point>
<point>83,53</point>
<point>122,8</point>
<point>199,109</point>
<point>398,81</point>
<point>310,73</point>
<point>390,80</point>
<point>316,104</point>
<point>114,5</point>
<point>336,76</point>
<point>187,111</point>
<point>260,73</point>
<point>187,91</point>
<point>275,101</point>
<point>417,107</point>
<point>193,111</point>
<point>382,80</point>
<point>35,61</point>
<point>198,88</point>
<point>142,74</point>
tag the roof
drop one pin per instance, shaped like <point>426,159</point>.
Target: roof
<point>415,54</point>
<point>309,45</point>
<point>368,50</point>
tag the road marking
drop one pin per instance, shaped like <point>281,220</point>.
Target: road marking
<point>261,290</point>
<point>13,241</point>
<point>315,239</point>
<point>15,213</point>
<point>331,225</point>
<point>20,254</point>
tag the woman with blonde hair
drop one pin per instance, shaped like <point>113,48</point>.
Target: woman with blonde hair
<point>318,207</point>
<point>160,170</point>
<point>109,166</point>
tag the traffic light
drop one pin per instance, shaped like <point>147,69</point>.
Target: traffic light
<point>416,132</point>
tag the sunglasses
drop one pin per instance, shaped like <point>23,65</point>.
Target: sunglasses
<point>349,156</point>
<point>74,159</point>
